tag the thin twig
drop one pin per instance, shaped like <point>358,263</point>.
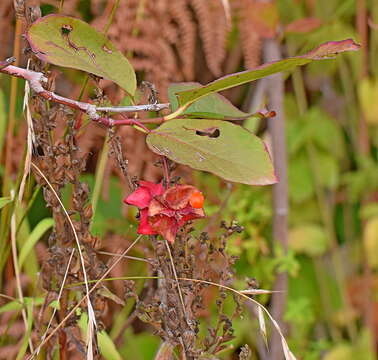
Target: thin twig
<point>125,257</point>
<point>135,108</point>
<point>176,279</point>
<point>37,79</point>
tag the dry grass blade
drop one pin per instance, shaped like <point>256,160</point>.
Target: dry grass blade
<point>258,291</point>
<point>288,354</point>
<point>125,257</point>
<point>98,282</point>
<point>227,11</point>
<point>58,299</point>
<point>176,279</point>
<point>260,316</point>
<point>30,139</point>
<point>91,317</point>
<point>17,270</point>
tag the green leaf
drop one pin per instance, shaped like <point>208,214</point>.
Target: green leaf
<point>15,305</point>
<point>325,51</point>
<point>4,201</point>
<point>55,304</point>
<point>69,42</point>
<point>228,150</point>
<point>105,292</point>
<point>11,306</point>
<point>34,236</point>
<point>213,106</point>
<point>107,347</point>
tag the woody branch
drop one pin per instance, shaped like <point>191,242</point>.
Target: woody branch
<point>37,79</point>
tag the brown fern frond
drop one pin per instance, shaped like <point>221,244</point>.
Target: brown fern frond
<point>6,28</point>
<point>212,22</point>
<point>250,38</point>
<point>251,45</point>
<point>186,43</point>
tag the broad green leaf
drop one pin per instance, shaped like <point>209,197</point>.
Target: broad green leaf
<point>69,42</point>
<point>105,292</point>
<point>228,150</point>
<point>34,236</point>
<point>107,347</point>
<point>325,51</point>
<point>4,201</point>
<point>213,106</point>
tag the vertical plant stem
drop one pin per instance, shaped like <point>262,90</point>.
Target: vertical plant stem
<point>100,170</point>
<point>12,110</point>
<point>176,279</point>
<point>364,149</point>
<point>362,29</point>
<point>275,91</point>
<point>111,17</point>
<point>61,4</point>
<point>99,177</point>
<point>374,41</point>
<point>6,212</point>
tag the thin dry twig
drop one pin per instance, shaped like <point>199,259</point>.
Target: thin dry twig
<point>37,79</point>
<point>176,279</point>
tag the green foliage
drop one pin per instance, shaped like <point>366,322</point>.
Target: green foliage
<point>206,145</point>
<point>107,347</point>
<point>70,42</point>
<point>4,201</point>
<point>44,225</point>
<point>324,51</point>
<point>213,106</point>
<point>309,239</point>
